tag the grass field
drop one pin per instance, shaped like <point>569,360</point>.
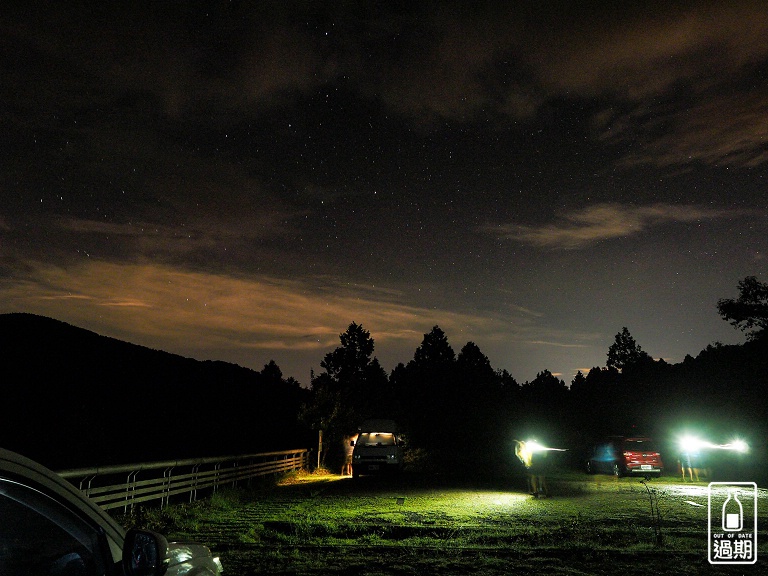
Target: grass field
<point>444,525</point>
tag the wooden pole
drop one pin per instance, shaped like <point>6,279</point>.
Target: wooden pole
<point>319,446</point>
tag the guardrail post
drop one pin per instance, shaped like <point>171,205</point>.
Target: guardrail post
<point>217,468</point>
<point>195,479</point>
<point>166,498</point>
<point>130,489</point>
<point>87,489</point>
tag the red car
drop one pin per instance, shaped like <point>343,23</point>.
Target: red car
<point>626,456</point>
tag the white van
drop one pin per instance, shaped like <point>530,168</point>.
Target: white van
<point>378,449</point>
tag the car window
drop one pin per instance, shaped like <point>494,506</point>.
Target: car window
<point>639,446</point>
<point>604,452</point>
<point>377,439</point>
<point>41,537</point>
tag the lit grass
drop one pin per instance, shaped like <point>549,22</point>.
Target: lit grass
<point>322,523</point>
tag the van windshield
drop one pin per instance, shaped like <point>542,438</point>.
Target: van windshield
<point>376,439</point>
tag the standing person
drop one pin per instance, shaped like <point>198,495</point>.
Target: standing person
<point>694,465</point>
<point>682,461</point>
<point>533,457</point>
<point>539,471</point>
<point>349,447</point>
<point>689,462</point>
<point>525,456</point>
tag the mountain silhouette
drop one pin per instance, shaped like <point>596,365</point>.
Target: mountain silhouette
<point>75,398</point>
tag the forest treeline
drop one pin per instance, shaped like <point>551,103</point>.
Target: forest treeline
<point>458,409</point>
<point>74,398</point>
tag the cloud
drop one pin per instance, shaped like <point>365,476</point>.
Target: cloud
<point>124,303</point>
<point>161,305</point>
<point>723,130</point>
<point>638,53</point>
<point>216,316</point>
<point>682,83</point>
<point>426,61</point>
<point>200,233</point>
<point>679,84</point>
<point>559,344</point>
<point>603,222</point>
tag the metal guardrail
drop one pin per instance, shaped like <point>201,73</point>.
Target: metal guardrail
<point>162,480</point>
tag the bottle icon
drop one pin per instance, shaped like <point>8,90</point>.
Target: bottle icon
<point>733,513</point>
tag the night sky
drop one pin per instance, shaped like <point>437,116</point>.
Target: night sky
<point>241,181</point>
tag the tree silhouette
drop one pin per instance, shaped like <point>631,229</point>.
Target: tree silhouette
<point>578,383</point>
<point>271,372</point>
<point>434,350</point>
<point>348,363</point>
<point>750,310</point>
<point>427,387</point>
<point>285,396</point>
<point>472,362</point>
<point>625,351</point>
<point>546,389</point>
<point>475,397</point>
<point>347,392</point>
<point>544,414</point>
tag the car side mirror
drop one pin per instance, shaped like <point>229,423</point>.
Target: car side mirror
<point>145,553</point>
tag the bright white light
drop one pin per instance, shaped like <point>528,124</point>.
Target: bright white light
<point>738,445</point>
<point>692,444</point>
<point>533,446</point>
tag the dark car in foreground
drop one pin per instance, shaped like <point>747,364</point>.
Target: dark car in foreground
<point>50,528</point>
<point>625,456</point>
